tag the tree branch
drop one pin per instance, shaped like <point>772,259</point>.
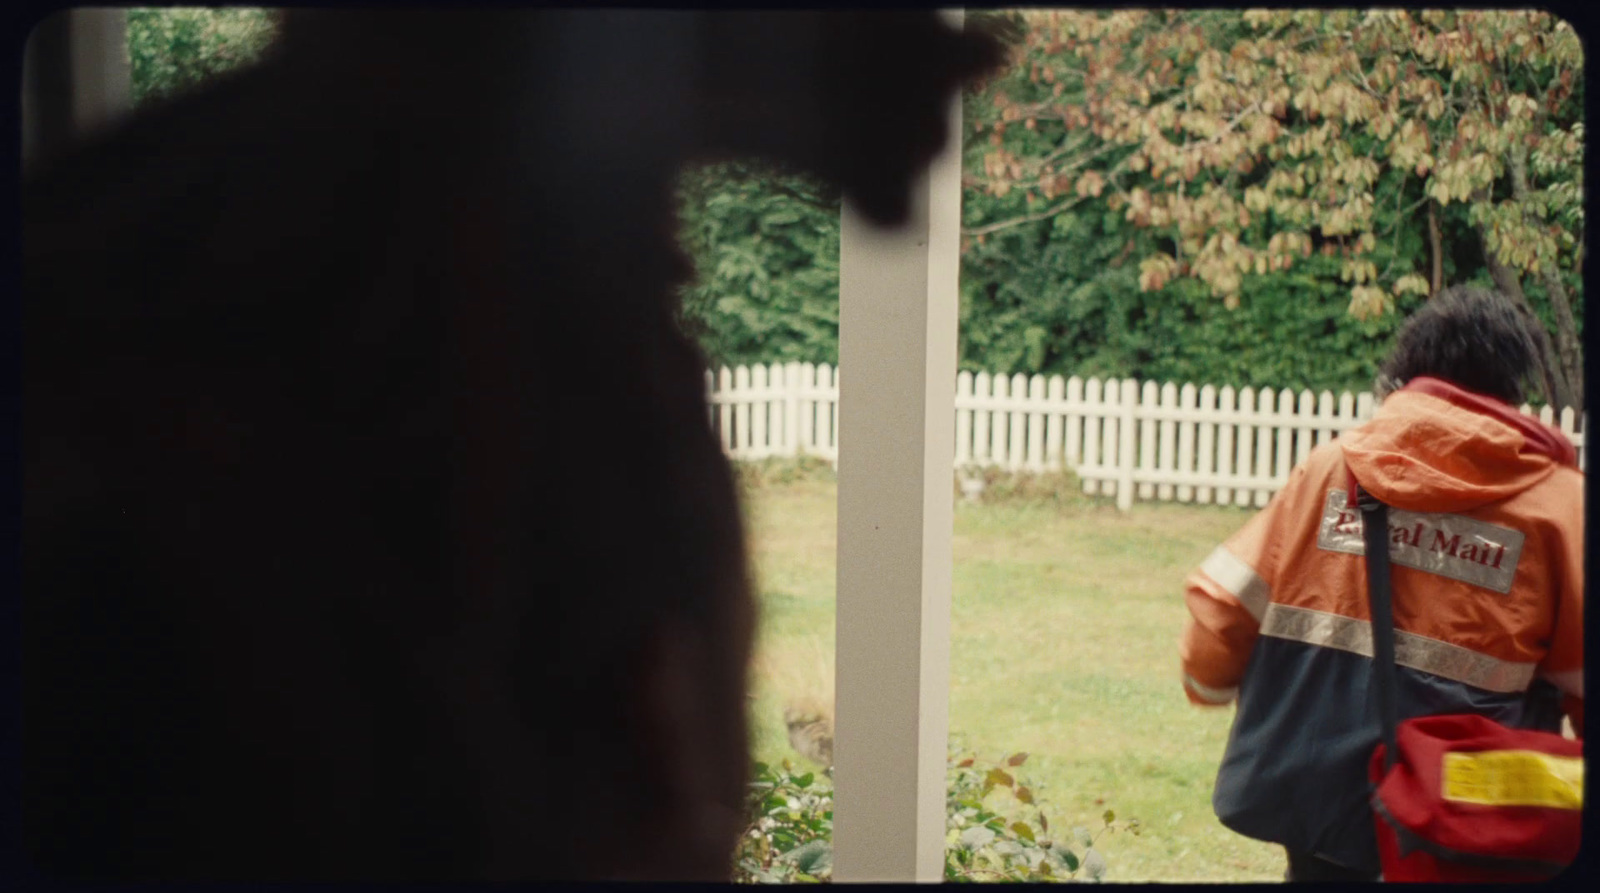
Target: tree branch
<point>1038,181</point>
<point>984,230</point>
<point>1019,221</point>
<point>1556,385</point>
<point>1051,158</point>
<point>1233,124</point>
<point>1436,244</point>
<point>1567,346</point>
<point>1399,219</point>
<point>1394,247</point>
<point>827,201</point>
<point>778,178</point>
<point>1366,85</point>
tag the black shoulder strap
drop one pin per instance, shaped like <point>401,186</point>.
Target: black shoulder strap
<point>1375,530</point>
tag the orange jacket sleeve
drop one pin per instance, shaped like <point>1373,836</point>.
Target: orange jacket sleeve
<point>1226,597</point>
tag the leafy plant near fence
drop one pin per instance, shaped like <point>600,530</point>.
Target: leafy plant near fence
<point>996,829</point>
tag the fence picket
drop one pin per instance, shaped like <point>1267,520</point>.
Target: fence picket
<point>1000,422</point>
<point>783,413</point>
<point>1245,467</point>
<point>1306,414</point>
<point>1129,392</point>
<point>1053,424</point>
<point>980,419</point>
<point>1035,457</point>
<point>805,395</point>
<point>963,418</point>
<point>1186,432</point>
<point>1147,437</point>
<point>1325,413</point>
<point>760,411</point>
<point>1225,426</point>
<point>1108,446</point>
<point>1092,407</point>
<point>1016,453</point>
<point>788,407</point>
<point>1285,436</point>
<point>1263,471</point>
<point>1073,422</point>
<point>1208,431</point>
<point>748,399</point>
<point>1168,455</point>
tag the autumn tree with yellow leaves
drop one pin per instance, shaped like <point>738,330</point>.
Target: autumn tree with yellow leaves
<point>1248,142</point>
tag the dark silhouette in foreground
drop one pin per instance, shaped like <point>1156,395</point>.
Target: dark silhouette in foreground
<point>373,526</point>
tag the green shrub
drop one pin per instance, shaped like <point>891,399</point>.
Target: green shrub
<point>789,836</point>
<point>989,836</point>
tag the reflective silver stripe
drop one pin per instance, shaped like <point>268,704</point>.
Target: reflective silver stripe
<point>1410,650</point>
<point>1318,628</point>
<point>1453,546</point>
<point>1240,579</point>
<point>1214,695</point>
<point>1570,682</point>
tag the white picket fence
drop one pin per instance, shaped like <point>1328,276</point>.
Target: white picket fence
<point>1123,438</point>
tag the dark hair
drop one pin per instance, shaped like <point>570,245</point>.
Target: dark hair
<point>1475,338</point>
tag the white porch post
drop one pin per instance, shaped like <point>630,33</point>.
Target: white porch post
<point>897,337</point>
<point>76,79</point>
<point>101,71</point>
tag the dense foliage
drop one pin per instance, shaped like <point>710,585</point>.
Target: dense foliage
<point>171,50</point>
<point>766,246</point>
<point>1244,198</point>
<point>1411,148</point>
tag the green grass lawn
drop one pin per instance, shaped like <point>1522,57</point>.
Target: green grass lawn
<point>1064,645</point>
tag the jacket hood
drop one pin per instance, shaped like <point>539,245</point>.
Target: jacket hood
<point>1436,447</point>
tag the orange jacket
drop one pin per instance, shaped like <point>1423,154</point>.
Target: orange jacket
<point>1486,540</point>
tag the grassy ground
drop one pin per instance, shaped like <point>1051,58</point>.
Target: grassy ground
<point>1066,616</point>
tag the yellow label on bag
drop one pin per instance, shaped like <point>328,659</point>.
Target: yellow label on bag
<point>1514,778</point>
